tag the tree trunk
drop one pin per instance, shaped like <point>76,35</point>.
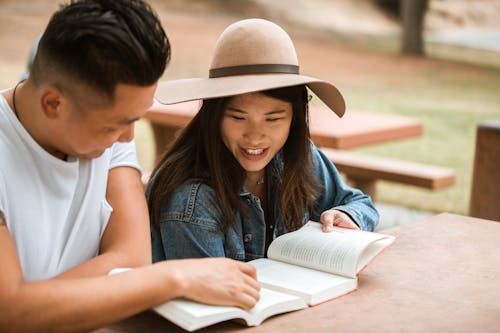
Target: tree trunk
<point>412,15</point>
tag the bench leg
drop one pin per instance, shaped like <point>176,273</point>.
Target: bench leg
<point>367,186</point>
<point>485,189</point>
<point>163,136</point>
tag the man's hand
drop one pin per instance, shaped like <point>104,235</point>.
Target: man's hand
<point>333,217</point>
<point>219,281</point>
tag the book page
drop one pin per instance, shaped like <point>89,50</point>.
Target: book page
<point>311,285</point>
<point>337,252</point>
<point>191,315</point>
<point>271,303</point>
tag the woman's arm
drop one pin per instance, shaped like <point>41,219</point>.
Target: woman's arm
<point>338,196</point>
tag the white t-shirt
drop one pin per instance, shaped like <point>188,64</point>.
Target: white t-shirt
<point>56,211</point>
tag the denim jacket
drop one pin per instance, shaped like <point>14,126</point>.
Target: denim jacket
<point>189,223</point>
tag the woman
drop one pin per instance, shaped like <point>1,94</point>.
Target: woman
<point>244,170</point>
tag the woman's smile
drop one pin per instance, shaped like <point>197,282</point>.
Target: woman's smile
<point>254,153</point>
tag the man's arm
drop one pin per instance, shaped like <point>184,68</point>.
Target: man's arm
<point>126,241</point>
<point>83,304</point>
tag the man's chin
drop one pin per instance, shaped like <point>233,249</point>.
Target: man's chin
<point>91,155</point>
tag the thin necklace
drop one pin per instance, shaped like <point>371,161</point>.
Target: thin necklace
<point>260,181</point>
<point>14,99</point>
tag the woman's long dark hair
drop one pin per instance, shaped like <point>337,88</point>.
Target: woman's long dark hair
<point>200,154</point>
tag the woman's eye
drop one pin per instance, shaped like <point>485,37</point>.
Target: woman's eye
<point>237,118</point>
<point>273,119</point>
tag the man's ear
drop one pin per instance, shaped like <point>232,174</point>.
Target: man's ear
<point>50,101</point>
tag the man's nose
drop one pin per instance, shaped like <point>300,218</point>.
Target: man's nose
<point>128,134</point>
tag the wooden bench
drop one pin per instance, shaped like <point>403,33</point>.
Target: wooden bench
<point>363,171</point>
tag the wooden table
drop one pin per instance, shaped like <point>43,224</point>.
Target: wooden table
<point>441,275</point>
<point>327,130</point>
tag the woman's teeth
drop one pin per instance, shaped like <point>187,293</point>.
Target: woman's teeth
<point>254,151</point>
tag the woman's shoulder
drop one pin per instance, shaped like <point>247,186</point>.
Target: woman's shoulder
<point>317,154</point>
<point>195,196</point>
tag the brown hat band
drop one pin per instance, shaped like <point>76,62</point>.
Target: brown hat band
<point>253,69</point>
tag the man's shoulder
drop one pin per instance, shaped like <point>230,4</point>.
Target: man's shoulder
<point>9,138</point>
<point>9,150</point>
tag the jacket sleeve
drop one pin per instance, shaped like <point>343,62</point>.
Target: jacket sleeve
<point>337,194</point>
<point>188,226</point>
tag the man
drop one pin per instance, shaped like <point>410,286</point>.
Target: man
<point>71,201</point>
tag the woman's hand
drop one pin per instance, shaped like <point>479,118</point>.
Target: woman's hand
<point>333,217</point>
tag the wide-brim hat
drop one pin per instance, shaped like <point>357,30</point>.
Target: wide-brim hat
<point>250,55</point>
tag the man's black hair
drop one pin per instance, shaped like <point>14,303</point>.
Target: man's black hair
<point>102,43</point>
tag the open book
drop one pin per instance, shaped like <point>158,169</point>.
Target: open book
<point>318,266</point>
<point>304,268</point>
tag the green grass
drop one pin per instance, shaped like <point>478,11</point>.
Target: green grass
<point>450,53</point>
<point>474,57</point>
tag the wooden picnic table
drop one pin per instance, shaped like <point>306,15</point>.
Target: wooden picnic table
<point>440,275</point>
<point>355,129</point>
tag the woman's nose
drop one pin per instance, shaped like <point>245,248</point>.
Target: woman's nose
<point>254,131</point>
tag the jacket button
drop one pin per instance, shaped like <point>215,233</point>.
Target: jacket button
<point>247,238</point>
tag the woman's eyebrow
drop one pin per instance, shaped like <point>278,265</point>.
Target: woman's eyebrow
<point>229,108</point>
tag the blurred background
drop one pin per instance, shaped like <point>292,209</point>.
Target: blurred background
<point>436,60</point>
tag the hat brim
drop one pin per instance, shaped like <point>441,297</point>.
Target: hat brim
<point>183,90</point>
